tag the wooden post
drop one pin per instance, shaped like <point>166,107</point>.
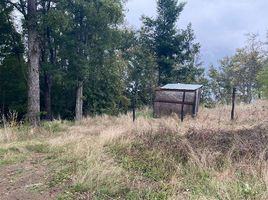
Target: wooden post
<point>134,113</point>
<point>182,106</point>
<point>194,106</point>
<point>233,104</point>
<point>134,106</point>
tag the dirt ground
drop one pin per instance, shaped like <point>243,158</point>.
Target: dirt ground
<point>26,180</point>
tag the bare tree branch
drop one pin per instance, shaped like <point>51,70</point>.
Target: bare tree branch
<point>20,6</point>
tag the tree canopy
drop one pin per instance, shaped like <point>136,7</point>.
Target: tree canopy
<point>175,49</point>
<point>74,58</point>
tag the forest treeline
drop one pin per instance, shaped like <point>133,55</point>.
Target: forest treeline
<point>69,58</point>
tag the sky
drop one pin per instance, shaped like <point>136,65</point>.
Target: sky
<point>220,26</point>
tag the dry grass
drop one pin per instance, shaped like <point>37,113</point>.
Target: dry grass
<point>208,157</point>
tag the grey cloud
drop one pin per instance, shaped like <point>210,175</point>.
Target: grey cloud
<point>220,25</point>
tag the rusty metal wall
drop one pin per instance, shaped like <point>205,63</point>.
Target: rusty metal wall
<point>170,101</point>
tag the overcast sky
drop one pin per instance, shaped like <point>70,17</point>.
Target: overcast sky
<point>220,25</point>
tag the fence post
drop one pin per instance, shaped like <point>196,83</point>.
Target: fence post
<point>134,106</point>
<point>134,113</point>
<point>182,106</point>
<point>233,104</point>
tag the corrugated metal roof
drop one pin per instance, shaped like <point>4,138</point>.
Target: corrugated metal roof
<point>180,86</point>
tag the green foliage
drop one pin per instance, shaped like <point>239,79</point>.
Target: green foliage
<point>61,177</point>
<point>88,53</point>
<point>83,43</point>
<point>65,196</point>
<point>12,65</point>
<point>10,156</point>
<point>263,80</point>
<point>148,162</point>
<point>221,81</point>
<point>145,113</point>
<point>141,71</point>
<point>147,195</point>
<point>38,148</point>
<point>174,49</point>
<point>240,71</point>
<point>55,126</point>
<point>162,159</point>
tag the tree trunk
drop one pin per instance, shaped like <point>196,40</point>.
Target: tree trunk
<point>159,76</point>
<point>33,71</point>
<point>249,94</point>
<point>3,103</point>
<point>79,102</point>
<point>48,85</point>
<point>48,77</point>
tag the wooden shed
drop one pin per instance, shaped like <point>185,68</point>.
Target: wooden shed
<point>177,98</point>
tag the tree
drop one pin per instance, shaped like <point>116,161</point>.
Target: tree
<point>79,50</point>
<point>33,111</point>
<point>141,76</point>
<point>173,48</point>
<point>221,80</point>
<point>29,11</point>
<point>52,25</point>
<point>263,80</point>
<point>89,44</point>
<point>12,66</point>
<point>247,62</point>
<point>239,71</point>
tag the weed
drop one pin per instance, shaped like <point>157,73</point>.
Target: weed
<point>149,163</point>
<point>11,155</point>
<point>105,157</point>
<point>60,177</point>
<point>65,196</point>
<point>55,126</point>
<point>38,148</point>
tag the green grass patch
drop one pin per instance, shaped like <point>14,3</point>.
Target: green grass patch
<point>129,193</point>
<point>62,168</point>
<point>61,177</point>
<point>249,186</point>
<point>38,148</point>
<point>11,156</point>
<point>147,113</point>
<point>149,163</point>
<point>56,126</point>
<point>160,157</point>
<point>198,182</point>
<point>65,196</point>
<point>147,195</point>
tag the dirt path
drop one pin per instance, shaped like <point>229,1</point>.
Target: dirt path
<point>26,180</point>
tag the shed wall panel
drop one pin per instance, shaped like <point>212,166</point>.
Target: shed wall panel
<point>171,96</point>
<point>163,109</point>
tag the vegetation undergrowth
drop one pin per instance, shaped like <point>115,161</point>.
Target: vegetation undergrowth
<point>106,157</point>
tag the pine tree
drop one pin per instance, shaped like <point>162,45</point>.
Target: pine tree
<point>173,48</point>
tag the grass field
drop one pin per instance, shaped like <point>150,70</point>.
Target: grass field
<point>207,157</point>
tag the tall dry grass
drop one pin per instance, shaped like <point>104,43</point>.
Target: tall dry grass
<point>202,141</point>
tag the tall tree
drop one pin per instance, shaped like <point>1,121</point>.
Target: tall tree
<point>173,47</point>
<point>53,24</point>
<point>239,71</point>
<point>222,81</point>
<point>141,76</point>
<point>12,66</point>
<point>89,43</point>
<point>29,11</point>
<point>33,111</point>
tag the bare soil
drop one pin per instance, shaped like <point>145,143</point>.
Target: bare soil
<point>26,180</point>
